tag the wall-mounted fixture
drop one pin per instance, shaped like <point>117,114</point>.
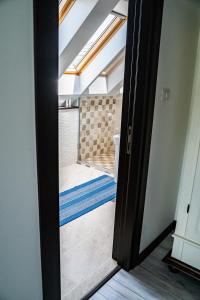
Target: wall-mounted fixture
<point>69,103</point>
<point>165,94</point>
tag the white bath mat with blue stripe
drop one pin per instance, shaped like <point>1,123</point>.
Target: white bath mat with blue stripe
<point>83,198</point>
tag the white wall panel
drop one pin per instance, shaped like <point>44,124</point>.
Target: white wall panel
<point>68,137</point>
<point>20,266</point>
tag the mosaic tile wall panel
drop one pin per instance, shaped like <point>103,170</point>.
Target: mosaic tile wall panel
<point>98,124</point>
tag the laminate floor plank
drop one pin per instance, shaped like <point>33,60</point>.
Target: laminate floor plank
<point>151,280</point>
<point>186,287</point>
<point>114,291</point>
<point>124,290</point>
<point>161,288</point>
<point>151,287</point>
<point>136,285</point>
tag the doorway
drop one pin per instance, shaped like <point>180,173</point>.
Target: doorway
<point>90,100</point>
<point>131,174</point>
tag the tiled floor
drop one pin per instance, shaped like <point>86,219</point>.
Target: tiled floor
<point>103,162</point>
<point>86,243</point>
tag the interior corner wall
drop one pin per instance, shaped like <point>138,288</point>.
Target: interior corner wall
<point>20,265</point>
<point>179,39</point>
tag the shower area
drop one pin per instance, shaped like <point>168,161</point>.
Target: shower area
<point>90,132</point>
<point>100,121</point>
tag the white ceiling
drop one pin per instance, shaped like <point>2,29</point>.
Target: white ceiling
<point>122,7</point>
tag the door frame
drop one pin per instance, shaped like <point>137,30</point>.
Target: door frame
<point>46,114</point>
<point>142,50</point>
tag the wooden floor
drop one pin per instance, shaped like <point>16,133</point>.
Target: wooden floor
<point>151,280</point>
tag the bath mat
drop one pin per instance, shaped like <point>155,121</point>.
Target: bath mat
<point>83,198</point>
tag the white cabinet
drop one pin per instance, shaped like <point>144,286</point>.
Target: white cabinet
<point>186,245</point>
<point>193,222</point>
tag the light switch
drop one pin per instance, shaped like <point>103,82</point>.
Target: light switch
<point>165,94</point>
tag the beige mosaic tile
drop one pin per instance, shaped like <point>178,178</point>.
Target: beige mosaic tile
<point>97,125</point>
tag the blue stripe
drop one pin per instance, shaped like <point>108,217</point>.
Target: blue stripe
<point>88,202</point>
<point>86,210</point>
<point>86,195</point>
<point>84,190</point>
<point>83,185</point>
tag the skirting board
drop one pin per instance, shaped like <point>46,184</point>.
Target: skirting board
<point>181,266</point>
<point>147,251</point>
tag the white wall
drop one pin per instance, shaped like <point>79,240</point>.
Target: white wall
<point>20,271</point>
<point>99,86</point>
<point>68,137</point>
<point>176,71</point>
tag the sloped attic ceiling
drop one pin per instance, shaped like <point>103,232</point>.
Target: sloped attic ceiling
<point>102,46</point>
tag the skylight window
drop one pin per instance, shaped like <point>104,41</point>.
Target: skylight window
<point>98,40</point>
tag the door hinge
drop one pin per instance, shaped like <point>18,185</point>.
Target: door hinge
<point>129,140</point>
<point>188,208</point>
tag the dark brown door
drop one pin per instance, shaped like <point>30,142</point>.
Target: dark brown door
<point>143,41</point>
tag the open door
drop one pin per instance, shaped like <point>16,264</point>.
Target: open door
<point>140,87</point>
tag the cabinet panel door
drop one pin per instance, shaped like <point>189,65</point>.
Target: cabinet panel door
<point>193,224</point>
<point>191,255</point>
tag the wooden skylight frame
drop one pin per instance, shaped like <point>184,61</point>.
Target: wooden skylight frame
<point>64,8</point>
